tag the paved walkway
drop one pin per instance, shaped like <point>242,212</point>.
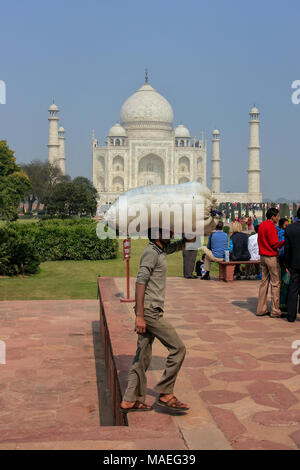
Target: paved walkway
<point>238,375</point>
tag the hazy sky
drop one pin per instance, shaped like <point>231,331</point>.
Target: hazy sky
<point>211,60</point>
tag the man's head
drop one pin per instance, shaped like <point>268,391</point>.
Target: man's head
<point>219,225</point>
<point>158,235</point>
<point>283,223</point>
<point>273,215</point>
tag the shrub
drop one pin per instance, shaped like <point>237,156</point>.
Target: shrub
<point>226,229</point>
<point>71,239</point>
<point>17,256</point>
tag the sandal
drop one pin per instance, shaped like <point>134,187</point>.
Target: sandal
<point>138,406</point>
<point>172,404</point>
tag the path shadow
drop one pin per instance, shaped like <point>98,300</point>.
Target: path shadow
<point>249,304</point>
<point>104,397</point>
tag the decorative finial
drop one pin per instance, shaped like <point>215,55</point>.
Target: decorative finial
<point>146,76</point>
<point>53,100</point>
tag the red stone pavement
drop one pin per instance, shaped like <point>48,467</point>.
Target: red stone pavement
<point>238,377</point>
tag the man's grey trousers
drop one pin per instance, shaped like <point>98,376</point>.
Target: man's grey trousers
<point>157,327</point>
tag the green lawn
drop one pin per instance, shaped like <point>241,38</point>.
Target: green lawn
<point>77,279</point>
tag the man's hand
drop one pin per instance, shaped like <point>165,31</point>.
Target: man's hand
<point>140,324</point>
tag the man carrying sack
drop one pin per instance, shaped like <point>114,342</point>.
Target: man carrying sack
<point>150,324</point>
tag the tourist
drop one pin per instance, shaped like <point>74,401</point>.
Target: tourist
<point>269,246</point>
<point>281,227</point>
<point>189,258</point>
<point>150,324</point>
<point>238,247</point>
<point>292,263</point>
<point>255,221</point>
<point>249,223</point>
<point>215,250</point>
<point>254,254</point>
<point>200,271</point>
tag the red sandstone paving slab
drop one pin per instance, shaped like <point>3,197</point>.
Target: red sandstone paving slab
<point>296,437</point>
<point>278,418</point>
<point>235,376</point>
<point>272,394</point>
<point>238,360</point>
<point>218,397</point>
<point>228,423</point>
<point>252,444</point>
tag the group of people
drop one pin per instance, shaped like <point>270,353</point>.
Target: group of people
<point>267,243</point>
<point>279,249</point>
<point>240,247</point>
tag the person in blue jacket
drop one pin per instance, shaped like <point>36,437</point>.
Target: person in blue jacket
<point>215,250</point>
<point>282,225</point>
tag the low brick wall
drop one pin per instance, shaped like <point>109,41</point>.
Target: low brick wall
<point>106,325</point>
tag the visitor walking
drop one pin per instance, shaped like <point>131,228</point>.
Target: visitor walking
<point>150,324</point>
<point>269,246</point>
<point>292,262</point>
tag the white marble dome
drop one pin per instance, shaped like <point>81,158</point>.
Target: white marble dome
<point>146,107</point>
<point>254,110</point>
<point>53,107</point>
<point>117,131</point>
<point>182,131</point>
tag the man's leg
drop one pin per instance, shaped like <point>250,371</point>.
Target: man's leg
<point>137,380</point>
<point>262,307</point>
<point>189,262</point>
<point>207,260</point>
<point>168,336</point>
<point>274,270</point>
<point>293,293</point>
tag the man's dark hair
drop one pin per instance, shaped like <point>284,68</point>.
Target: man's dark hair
<point>298,212</point>
<point>271,212</point>
<point>256,227</point>
<point>219,225</point>
<point>154,232</point>
<point>281,222</point>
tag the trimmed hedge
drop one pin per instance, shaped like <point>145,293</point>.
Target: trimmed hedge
<point>70,239</point>
<point>17,256</point>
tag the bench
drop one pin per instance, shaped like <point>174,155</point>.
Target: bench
<point>226,269</point>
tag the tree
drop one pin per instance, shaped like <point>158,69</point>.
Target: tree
<point>77,197</point>
<point>239,210</point>
<point>295,208</point>
<point>232,213</point>
<point>43,177</point>
<point>284,210</point>
<point>14,183</point>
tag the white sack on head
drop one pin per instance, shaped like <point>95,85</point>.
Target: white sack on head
<point>145,198</point>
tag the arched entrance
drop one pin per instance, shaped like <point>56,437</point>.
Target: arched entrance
<point>151,170</point>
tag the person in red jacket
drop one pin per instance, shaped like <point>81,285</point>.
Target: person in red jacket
<point>269,245</point>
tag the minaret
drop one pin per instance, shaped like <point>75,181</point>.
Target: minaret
<point>215,162</point>
<point>254,153</point>
<point>61,161</point>
<point>53,144</point>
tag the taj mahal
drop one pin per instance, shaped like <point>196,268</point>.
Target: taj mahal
<point>144,149</point>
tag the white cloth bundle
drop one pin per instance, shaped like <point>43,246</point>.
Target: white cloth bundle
<point>189,206</point>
